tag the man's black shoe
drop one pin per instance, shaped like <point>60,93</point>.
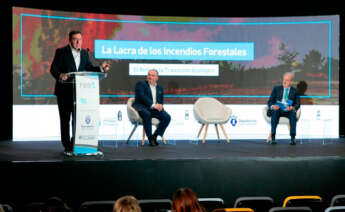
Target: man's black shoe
<point>292,141</point>
<point>68,153</point>
<point>155,139</point>
<point>273,139</point>
<point>151,140</point>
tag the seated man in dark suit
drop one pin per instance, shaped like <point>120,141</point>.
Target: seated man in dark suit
<point>284,93</point>
<point>149,98</point>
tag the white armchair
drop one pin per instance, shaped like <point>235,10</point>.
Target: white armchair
<point>282,120</point>
<point>211,111</point>
<point>136,120</point>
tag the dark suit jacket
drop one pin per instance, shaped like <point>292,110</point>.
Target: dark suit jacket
<point>143,96</point>
<point>277,95</point>
<point>64,63</point>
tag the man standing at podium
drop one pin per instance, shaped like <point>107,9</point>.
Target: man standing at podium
<point>70,58</point>
<point>149,98</point>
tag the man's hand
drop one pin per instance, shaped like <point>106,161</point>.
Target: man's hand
<point>158,107</point>
<point>275,107</point>
<point>63,76</point>
<point>105,66</point>
<point>289,108</point>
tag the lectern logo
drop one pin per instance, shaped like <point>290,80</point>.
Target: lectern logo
<point>87,119</point>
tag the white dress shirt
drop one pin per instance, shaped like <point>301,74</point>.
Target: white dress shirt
<point>153,91</point>
<point>76,56</point>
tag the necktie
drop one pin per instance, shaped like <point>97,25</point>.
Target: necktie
<point>286,94</point>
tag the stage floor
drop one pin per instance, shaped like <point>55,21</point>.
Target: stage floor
<point>31,151</point>
<point>39,170</point>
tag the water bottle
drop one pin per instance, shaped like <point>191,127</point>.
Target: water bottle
<point>318,115</point>
<point>186,115</point>
<point>119,115</point>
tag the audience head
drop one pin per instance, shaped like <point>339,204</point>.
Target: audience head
<point>126,204</point>
<point>56,204</point>
<point>185,200</point>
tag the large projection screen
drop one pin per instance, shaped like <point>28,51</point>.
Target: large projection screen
<point>236,60</point>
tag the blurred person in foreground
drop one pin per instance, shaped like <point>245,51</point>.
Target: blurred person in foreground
<point>55,204</point>
<point>185,200</point>
<point>126,204</point>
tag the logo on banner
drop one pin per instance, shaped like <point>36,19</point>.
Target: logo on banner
<point>233,120</point>
<point>87,119</point>
<point>247,122</point>
<point>86,85</point>
<point>83,101</point>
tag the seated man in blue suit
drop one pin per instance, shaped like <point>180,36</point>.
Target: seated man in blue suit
<point>284,93</point>
<point>149,98</point>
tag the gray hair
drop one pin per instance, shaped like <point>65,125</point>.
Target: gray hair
<point>152,69</point>
<point>289,73</point>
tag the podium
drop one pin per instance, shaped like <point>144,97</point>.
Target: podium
<point>86,111</point>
